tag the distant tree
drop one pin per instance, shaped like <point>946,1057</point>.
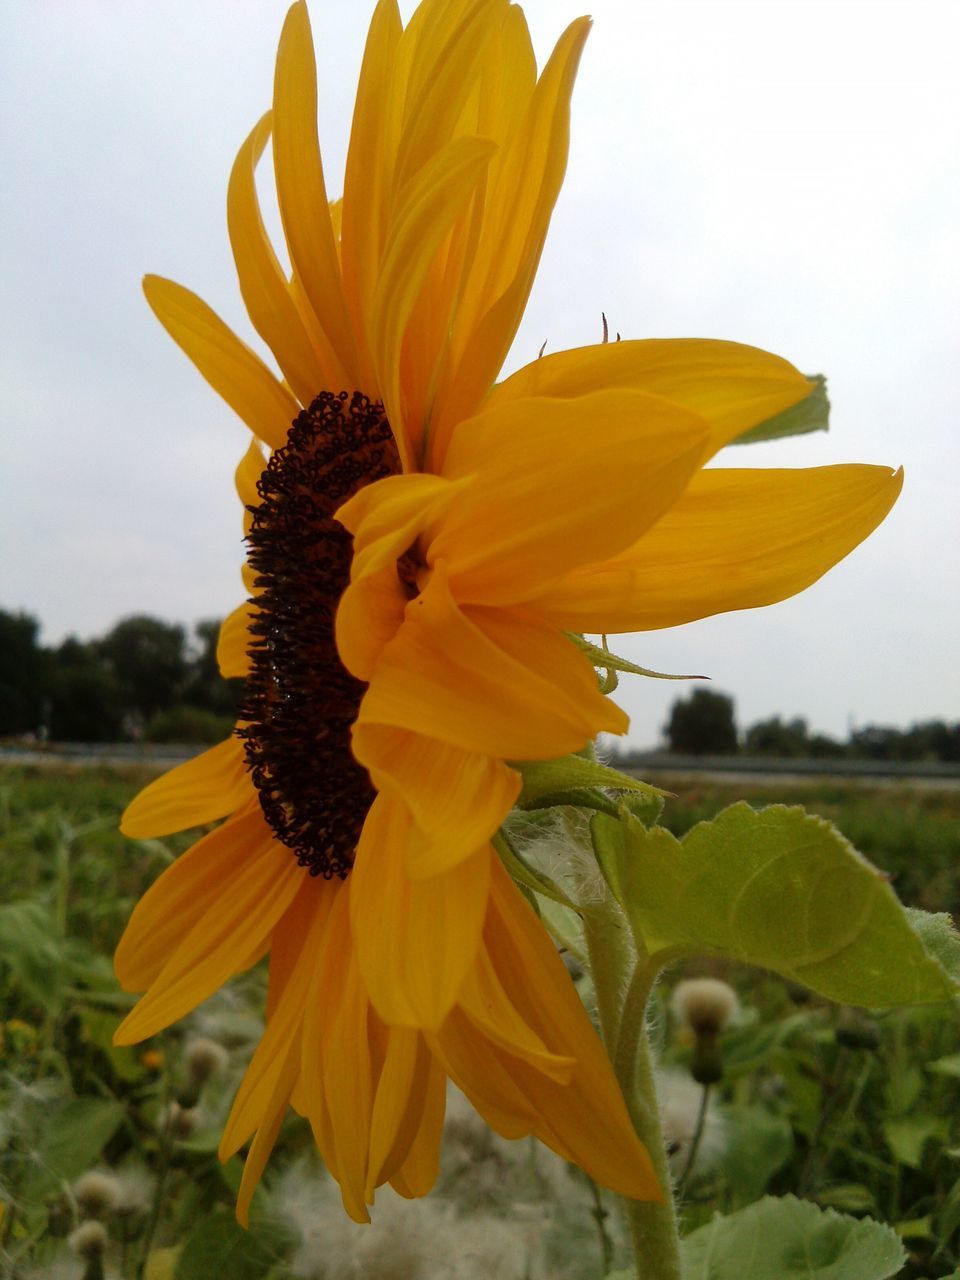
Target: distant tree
<point>23,674</point>
<point>927,740</point>
<point>776,737</point>
<point>822,747</point>
<point>148,659</point>
<point>933,740</point>
<point>877,742</point>
<point>86,702</point>
<point>192,724</point>
<point>205,686</point>
<point>702,724</point>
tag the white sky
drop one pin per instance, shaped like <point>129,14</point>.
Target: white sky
<point>774,172</point>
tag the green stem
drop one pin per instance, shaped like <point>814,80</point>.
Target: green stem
<point>653,1226</point>
<point>599,1215</point>
<point>165,1139</point>
<point>695,1140</point>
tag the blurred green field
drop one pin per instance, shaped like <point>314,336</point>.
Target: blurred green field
<point>855,1112</point>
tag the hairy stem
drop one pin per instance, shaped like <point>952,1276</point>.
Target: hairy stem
<point>653,1226</point>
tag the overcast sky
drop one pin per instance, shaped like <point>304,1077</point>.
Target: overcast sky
<point>779,173</point>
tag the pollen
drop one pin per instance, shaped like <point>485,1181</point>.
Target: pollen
<point>299,701</point>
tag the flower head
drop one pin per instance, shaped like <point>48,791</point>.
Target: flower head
<point>97,1192</point>
<point>705,1006</point>
<point>421,540</point>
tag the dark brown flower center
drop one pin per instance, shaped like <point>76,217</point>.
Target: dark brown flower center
<point>299,701</point>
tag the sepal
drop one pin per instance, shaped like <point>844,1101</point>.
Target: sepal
<point>811,414</point>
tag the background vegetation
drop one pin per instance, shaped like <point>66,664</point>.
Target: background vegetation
<point>850,1111</point>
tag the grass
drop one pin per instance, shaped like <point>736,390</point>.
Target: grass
<point>851,1111</point>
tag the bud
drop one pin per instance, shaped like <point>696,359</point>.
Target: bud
<point>89,1241</point>
<point>177,1121</point>
<point>96,1193</point>
<point>204,1058</point>
<point>705,1006</point>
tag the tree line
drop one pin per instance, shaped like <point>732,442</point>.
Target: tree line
<point>156,681</point>
<point>144,680</point>
<point>704,723</point>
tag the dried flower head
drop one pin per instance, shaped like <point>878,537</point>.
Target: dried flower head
<point>96,1192</point>
<point>89,1240</point>
<point>704,1005</point>
<point>205,1058</point>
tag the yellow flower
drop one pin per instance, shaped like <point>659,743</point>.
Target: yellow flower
<point>420,542</point>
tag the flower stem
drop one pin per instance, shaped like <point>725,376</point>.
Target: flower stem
<point>653,1226</point>
<point>695,1140</point>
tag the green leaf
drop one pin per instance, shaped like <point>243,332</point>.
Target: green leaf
<point>218,1246</point>
<point>849,1197</point>
<point>548,781</point>
<point>72,1141</point>
<point>940,939</point>
<point>916,1228</point>
<point>790,1239</point>
<point>908,1136</point>
<point>30,949</point>
<point>758,1145</point>
<point>778,888</point>
<point>524,875</point>
<point>811,414</point>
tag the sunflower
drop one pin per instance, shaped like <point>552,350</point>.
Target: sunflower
<point>422,542</point>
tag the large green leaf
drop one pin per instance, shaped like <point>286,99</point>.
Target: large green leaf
<point>790,1239</point>
<point>217,1246</point>
<point>778,888</point>
<point>811,414</point>
<point>29,947</point>
<point>758,1144</point>
<point>72,1140</point>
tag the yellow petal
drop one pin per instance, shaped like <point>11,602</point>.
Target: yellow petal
<point>295,946</point>
<point>232,369</point>
<point>524,184</point>
<point>266,1136</point>
<point>587,1119</point>
<point>485,1076</point>
<point>559,483</point>
<point>365,178</point>
<point>185,893</point>
<point>419,1171</point>
<point>428,209</point>
<point>301,189</point>
<point>246,478</point>
<point>233,643</point>
<point>735,540</point>
<point>496,682</point>
<point>345,1059</point>
<point>731,386</point>
<point>415,939</point>
<point>307,364</point>
<point>457,799</point>
<point>447,66</point>
<point>251,901</point>
<point>203,789</point>
<point>386,519</point>
<point>484,1001</point>
<point>398,1105</point>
